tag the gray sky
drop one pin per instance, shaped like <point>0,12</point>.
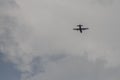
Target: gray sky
<point>38,43</point>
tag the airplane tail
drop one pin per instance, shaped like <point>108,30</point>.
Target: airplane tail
<point>79,25</point>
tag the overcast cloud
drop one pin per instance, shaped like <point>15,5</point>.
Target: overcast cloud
<point>37,37</point>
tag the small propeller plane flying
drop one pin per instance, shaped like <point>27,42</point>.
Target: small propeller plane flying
<point>80,28</point>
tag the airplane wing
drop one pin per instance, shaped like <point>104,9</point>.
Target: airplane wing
<point>76,29</point>
<point>84,28</point>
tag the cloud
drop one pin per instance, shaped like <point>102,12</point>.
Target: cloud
<point>8,4</point>
<point>53,21</point>
<point>77,68</point>
<point>43,45</point>
<point>10,30</point>
<point>105,2</point>
<point>8,70</point>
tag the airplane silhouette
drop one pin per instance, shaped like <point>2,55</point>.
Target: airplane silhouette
<point>80,29</point>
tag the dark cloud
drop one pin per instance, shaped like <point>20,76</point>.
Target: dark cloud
<point>56,57</point>
<point>39,64</point>
<point>77,68</point>
<point>8,70</point>
<point>8,4</point>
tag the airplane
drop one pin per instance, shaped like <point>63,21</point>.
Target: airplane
<point>80,29</point>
